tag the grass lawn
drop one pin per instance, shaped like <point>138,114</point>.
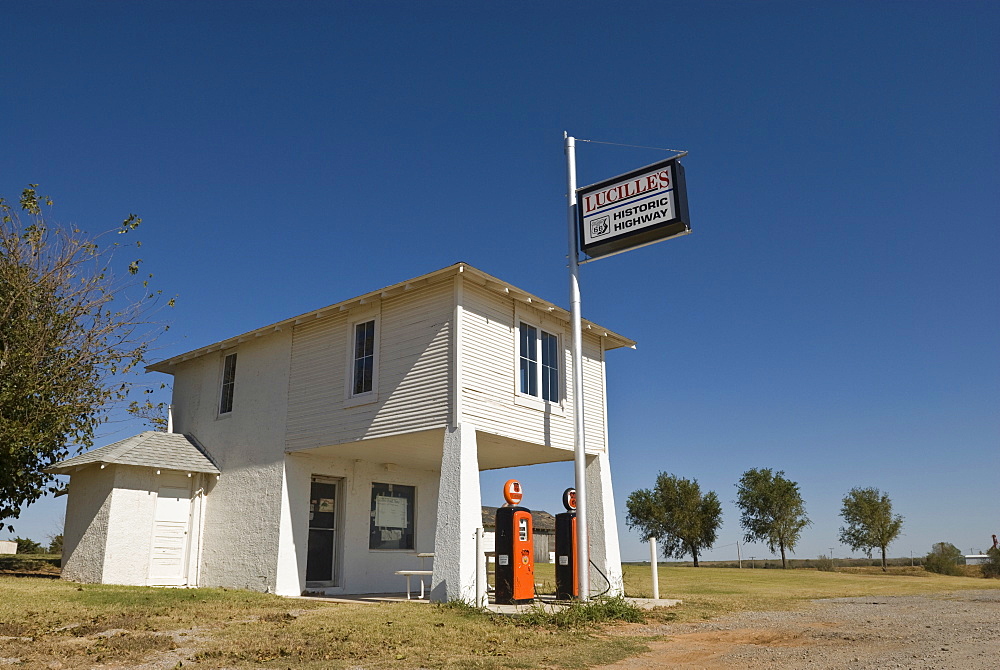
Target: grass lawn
<point>45,621</point>
<point>712,592</point>
<point>50,623</point>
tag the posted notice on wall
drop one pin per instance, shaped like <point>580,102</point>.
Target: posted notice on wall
<point>390,512</point>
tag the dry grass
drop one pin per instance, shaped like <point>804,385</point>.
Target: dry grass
<point>711,592</point>
<point>47,623</point>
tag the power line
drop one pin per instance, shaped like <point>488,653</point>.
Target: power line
<point>633,146</point>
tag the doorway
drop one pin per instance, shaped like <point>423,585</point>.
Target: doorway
<point>168,564</point>
<point>323,549</point>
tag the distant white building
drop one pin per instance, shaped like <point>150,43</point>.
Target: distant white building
<point>976,559</point>
<point>320,453</point>
<point>8,547</point>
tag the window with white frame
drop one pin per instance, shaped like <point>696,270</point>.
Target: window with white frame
<point>392,516</point>
<point>538,363</point>
<point>228,384</point>
<point>363,358</point>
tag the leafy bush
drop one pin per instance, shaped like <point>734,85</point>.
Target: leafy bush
<point>26,546</point>
<point>991,569</point>
<point>825,564</point>
<point>21,562</point>
<point>943,560</point>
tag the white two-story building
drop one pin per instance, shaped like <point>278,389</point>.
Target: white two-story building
<point>321,452</point>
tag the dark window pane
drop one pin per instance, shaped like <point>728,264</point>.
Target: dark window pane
<point>366,375</point>
<point>370,338</point>
<point>359,376</point>
<point>392,516</point>
<point>364,357</point>
<point>319,556</point>
<point>228,384</point>
<point>550,367</point>
<point>528,360</point>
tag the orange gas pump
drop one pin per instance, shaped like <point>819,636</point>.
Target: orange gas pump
<point>515,567</point>
<point>567,586</point>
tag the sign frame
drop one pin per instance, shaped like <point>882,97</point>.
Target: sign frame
<point>678,224</point>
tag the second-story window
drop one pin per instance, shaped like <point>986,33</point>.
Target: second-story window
<point>538,356</point>
<point>529,360</point>
<point>364,357</point>
<point>228,384</point>
<point>549,344</point>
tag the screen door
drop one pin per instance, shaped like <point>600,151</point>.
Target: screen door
<point>322,553</point>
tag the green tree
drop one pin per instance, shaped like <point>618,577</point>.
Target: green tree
<point>943,559</point>
<point>772,510</point>
<point>870,522</point>
<point>27,546</point>
<point>992,566</point>
<point>677,514</point>
<point>56,544</point>
<point>71,330</point>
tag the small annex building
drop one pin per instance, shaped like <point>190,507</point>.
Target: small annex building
<point>324,452</point>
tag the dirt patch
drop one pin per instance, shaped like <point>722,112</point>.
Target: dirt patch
<point>956,630</point>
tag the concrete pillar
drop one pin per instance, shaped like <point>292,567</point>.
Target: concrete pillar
<point>603,526</point>
<point>459,513</point>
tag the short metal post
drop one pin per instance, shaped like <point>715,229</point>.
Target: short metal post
<point>653,568</point>
<point>480,570</point>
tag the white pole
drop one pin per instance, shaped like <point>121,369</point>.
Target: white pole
<point>480,570</point>
<point>653,567</point>
<point>580,460</point>
<point>739,558</point>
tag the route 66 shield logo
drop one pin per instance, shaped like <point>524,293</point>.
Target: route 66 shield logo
<point>600,226</point>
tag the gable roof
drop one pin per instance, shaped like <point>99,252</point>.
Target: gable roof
<point>612,340</point>
<point>169,451</point>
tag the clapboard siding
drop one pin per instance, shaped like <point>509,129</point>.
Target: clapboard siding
<point>413,370</point>
<point>593,393</point>
<point>490,381</point>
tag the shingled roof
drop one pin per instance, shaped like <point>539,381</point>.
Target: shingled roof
<point>169,451</point>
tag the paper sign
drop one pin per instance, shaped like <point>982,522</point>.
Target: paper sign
<point>390,512</point>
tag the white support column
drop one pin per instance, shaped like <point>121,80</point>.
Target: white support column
<point>603,526</point>
<point>459,513</point>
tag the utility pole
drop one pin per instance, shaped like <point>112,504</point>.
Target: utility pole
<point>576,347</point>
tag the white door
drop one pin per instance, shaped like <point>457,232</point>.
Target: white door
<point>171,526</point>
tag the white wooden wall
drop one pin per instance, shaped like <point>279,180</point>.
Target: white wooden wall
<point>490,374</point>
<point>414,344</point>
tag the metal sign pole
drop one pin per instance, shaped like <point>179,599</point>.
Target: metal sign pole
<point>582,532</point>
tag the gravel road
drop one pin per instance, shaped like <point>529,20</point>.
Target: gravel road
<point>958,630</point>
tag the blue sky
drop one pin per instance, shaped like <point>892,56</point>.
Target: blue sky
<point>835,313</point>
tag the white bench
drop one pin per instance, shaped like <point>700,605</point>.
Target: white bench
<point>419,573</point>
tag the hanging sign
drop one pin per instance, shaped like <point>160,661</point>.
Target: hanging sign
<point>632,210</point>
